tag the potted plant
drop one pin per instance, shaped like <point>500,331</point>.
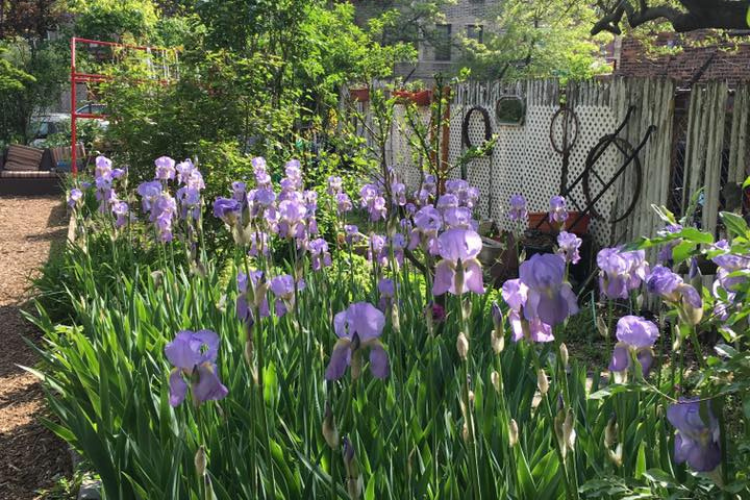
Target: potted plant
<point>540,221</point>
<point>360,94</point>
<point>418,97</point>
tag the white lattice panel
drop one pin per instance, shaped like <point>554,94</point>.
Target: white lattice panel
<point>523,160</point>
<point>402,155</point>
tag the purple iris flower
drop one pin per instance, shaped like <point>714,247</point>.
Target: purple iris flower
<point>568,246</point>
<point>262,179</point>
<point>470,197</point>
<point>259,244</point>
<point>387,290</point>
<point>637,335</point>
<point>358,327</point>
<point>120,210</point>
<point>293,171</point>
<point>558,210</point>
<point>103,168</point>
<point>335,185</point>
<point>697,441</point>
<point>264,197</point>
<point>459,270</point>
<point>730,263</point>
<point>428,222</point>
<point>227,209</point>
<point>284,290</point>
<point>670,287</point>
<point>163,210</point>
<point>165,168</point>
<point>515,294</point>
<point>118,173</point>
<point>292,219</point>
<point>456,186</point>
<point>430,183</point>
<point>244,309</point>
<point>621,272</point>
<point>239,191</point>
<point>352,234</point>
<point>550,298</point>
<point>148,191</point>
<point>259,164</point>
<point>377,209</point>
<point>518,211</point>
<point>75,197</point>
<point>184,171</point>
<point>663,282</point>
<point>377,245</point>
<point>343,203</point>
<point>189,200</point>
<point>193,355</point>
<point>665,254</point>
<point>459,217</point>
<point>319,252</point>
<point>398,193</point>
<point>447,201</point>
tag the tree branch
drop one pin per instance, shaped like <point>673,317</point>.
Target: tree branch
<point>697,14</point>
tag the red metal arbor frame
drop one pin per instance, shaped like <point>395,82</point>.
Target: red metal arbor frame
<point>76,77</point>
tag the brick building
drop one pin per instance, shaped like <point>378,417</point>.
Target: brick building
<point>697,61</point>
<point>465,18</point>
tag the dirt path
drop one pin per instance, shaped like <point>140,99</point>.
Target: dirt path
<point>31,457</point>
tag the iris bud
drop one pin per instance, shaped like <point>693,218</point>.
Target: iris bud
<point>462,345</point>
<point>610,433</point>
<point>564,356</point>
<point>498,341</point>
<point>330,432</point>
<point>200,461</point>
<point>495,378</point>
<point>513,432</point>
<point>542,382</point>
<point>616,456</point>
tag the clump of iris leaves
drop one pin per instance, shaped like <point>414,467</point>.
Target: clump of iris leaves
<point>110,303</point>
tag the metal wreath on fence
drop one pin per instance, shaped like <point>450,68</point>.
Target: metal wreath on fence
<point>487,127</point>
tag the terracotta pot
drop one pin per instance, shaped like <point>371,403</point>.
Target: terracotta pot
<point>420,98</point>
<point>582,227</point>
<point>361,95</point>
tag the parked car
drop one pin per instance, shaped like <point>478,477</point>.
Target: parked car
<point>44,125</point>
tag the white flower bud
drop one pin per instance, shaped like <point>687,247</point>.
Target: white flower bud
<point>610,433</point>
<point>330,432</point>
<point>462,345</point>
<point>601,325</point>
<point>513,432</point>
<point>616,456</point>
<point>569,430</point>
<point>498,341</point>
<point>200,461</point>
<point>495,379</point>
<point>564,356</point>
<point>542,382</point>
<point>354,486</point>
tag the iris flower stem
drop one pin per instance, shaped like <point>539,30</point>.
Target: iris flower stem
<point>610,321</point>
<point>260,344</point>
<point>558,446</point>
<point>697,346</point>
<point>469,414</point>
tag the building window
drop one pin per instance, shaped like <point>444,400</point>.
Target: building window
<point>442,42</point>
<point>475,32</point>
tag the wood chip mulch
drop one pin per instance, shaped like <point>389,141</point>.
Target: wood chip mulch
<point>31,457</point>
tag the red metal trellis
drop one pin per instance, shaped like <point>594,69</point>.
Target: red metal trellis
<point>76,77</point>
